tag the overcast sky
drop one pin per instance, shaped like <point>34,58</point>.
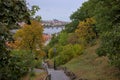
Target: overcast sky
<point>56,9</point>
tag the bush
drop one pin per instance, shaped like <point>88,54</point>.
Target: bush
<point>26,58</point>
<point>38,63</point>
<point>18,65</point>
<point>110,46</point>
<point>50,53</point>
<point>69,51</point>
<point>21,63</point>
<point>63,38</point>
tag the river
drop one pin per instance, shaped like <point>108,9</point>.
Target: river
<point>47,30</point>
<point>52,30</point>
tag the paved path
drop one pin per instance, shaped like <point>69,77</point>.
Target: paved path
<point>57,75</point>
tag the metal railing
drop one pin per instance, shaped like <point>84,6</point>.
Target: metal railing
<point>48,77</point>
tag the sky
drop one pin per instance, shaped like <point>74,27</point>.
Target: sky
<point>56,9</point>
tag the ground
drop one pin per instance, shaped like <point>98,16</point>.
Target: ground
<point>90,66</point>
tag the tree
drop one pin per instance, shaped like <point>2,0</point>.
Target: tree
<point>107,16</point>
<point>53,41</point>
<point>85,31</point>
<point>109,26</point>
<point>87,10</point>
<point>69,28</point>
<point>12,12</point>
<point>30,36</point>
<point>33,11</point>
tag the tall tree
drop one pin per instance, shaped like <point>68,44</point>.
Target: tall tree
<point>12,11</point>
<point>30,36</point>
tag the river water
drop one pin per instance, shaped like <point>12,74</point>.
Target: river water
<point>47,30</point>
<point>53,30</point>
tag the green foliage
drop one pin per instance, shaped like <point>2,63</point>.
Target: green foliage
<point>69,28</point>
<point>68,52</point>
<point>80,14</point>
<point>109,27</point>
<point>12,12</point>
<point>85,11</point>
<point>107,16</point>
<point>38,63</point>
<point>63,38</point>
<point>51,53</point>
<point>110,47</point>
<point>26,58</point>
<point>14,70</point>
<point>34,10</point>
<point>65,53</point>
<point>53,41</point>
<point>18,66</point>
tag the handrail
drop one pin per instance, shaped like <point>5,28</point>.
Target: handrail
<point>45,66</point>
<point>48,77</point>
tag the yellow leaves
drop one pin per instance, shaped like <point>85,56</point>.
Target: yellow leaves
<point>85,30</point>
<point>40,53</point>
<point>30,36</point>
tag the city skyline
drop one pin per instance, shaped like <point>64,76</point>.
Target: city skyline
<point>56,9</point>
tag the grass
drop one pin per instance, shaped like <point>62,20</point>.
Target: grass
<point>37,76</point>
<point>92,67</point>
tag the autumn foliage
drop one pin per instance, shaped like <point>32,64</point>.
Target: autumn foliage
<point>85,31</point>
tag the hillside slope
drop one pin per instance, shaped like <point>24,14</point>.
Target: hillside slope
<point>91,67</point>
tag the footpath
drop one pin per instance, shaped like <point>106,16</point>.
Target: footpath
<point>56,74</point>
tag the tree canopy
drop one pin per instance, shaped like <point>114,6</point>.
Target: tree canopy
<point>107,16</point>
<point>12,12</point>
<point>30,36</point>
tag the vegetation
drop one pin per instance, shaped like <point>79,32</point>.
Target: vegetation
<point>95,20</point>
<point>68,52</point>
<point>92,67</point>
<point>37,76</point>
<point>30,37</point>
<point>101,20</point>
<point>9,69</point>
<point>85,31</point>
<point>15,64</point>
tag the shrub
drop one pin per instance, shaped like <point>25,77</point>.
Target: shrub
<point>69,51</point>
<point>50,53</point>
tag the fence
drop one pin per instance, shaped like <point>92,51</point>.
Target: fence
<point>48,77</point>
